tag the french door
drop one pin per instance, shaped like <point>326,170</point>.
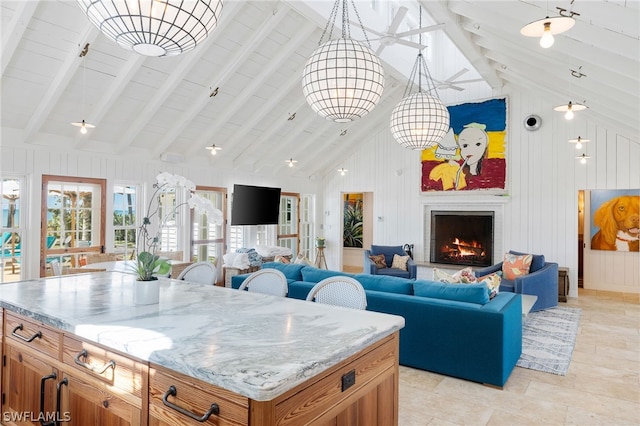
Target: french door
<point>208,240</point>
<point>289,222</point>
<point>73,220</point>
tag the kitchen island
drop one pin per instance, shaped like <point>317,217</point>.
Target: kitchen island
<point>203,353</point>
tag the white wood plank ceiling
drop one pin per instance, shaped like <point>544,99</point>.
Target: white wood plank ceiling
<point>254,60</point>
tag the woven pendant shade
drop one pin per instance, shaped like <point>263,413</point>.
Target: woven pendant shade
<point>419,121</point>
<point>343,80</point>
<point>154,27</point>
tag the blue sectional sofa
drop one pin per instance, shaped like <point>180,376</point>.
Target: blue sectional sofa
<point>451,329</point>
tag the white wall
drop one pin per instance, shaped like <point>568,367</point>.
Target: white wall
<point>31,161</point>
<point>543,180</point>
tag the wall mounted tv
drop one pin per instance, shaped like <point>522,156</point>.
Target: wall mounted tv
<point>255,205</point>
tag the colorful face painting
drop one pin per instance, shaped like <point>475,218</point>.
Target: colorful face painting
<point>472,154</point>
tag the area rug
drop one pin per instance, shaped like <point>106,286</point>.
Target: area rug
<point>548,338</point>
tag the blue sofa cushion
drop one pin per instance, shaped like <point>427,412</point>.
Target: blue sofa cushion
<point>386,284</point>
<point>537,260</point>
<point>388,252</point>
<point>315,275</point>
<point>393,272</point>
<point>471,293</point>
<point>292,271</point>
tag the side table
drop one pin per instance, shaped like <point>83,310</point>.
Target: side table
<point>563,284</point>
<point>320,260</point>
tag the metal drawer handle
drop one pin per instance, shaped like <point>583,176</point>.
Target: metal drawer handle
<point>28,340</point>
<point>214,409</point>
<point>84,354</point>
<point>43,379</point>
<point>64,382</point>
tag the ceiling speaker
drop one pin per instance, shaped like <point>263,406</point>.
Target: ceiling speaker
<point>532,122</point>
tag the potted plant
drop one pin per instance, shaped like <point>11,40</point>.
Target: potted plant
<point>148,264</point>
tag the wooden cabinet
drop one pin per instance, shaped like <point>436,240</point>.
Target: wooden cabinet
<point>52,376</point>
<point>29,372</point>
<point>101,387</point>
<point>177,399</point>
<point>49,374</point>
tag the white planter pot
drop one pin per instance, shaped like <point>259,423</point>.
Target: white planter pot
<point>146,292</point>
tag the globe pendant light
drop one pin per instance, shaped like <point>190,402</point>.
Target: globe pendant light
<point>343,79</point>
<point>154,27</point>
<point>420,120</point>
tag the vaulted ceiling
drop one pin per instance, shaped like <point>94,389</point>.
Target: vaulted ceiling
<point>241,89</point>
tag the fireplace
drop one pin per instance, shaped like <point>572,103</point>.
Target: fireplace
<point>463,238</point>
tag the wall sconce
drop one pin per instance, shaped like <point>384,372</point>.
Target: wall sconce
<point>569,109</point>
<point>579,141</point>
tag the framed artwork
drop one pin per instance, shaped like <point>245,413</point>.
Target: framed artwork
<point>614,219</point>
<point>472,155</point>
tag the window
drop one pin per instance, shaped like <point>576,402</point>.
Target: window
<point>10,229</point>
<point>74,215</point>
<point>288,222</point>
<point>167,211</point>
<point>306,225</point>
<point>125,226</point>
<point>208,239</point>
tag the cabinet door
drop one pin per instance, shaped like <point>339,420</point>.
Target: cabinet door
<point>29,388</point>
<point>85,403</point>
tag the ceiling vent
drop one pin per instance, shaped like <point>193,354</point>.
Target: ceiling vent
<point>172,157</point>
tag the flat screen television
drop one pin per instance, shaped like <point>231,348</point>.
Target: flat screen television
<point>255,205</point>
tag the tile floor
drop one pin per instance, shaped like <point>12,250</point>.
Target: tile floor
<point>602,386</point>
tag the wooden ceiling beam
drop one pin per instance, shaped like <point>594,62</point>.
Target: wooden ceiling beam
<point>13,32</point>
<point>220,78</point>
<point>248,92</point>
<point>60,82</point>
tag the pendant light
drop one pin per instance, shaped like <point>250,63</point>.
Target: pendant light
<point>83,124</point>
<point>342,171</point>
<point>583,158</point>
<point>569,109</point>
<point>214,149</point>
<point>154,27</point>
<point>579,141</point>
<point>343,79</point>
<point>419,120</point>
<point>548,27</point>
<point>290,162</point>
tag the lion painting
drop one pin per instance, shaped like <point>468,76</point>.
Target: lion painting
<point>618,223</point>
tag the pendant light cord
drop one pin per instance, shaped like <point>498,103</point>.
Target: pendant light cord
<point>346,27</point>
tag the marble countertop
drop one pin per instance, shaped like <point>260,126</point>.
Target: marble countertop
<point>255,345</point>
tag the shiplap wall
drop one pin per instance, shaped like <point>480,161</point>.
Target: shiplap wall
<point>544,177</point>
<point>31,162</point>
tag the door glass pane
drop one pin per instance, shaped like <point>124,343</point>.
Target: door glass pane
<point>207,238</point>
<point>124,219</point>
<point>10,230</point>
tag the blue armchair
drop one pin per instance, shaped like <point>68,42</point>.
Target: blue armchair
<point>388,252</point>
<point>541,281</point>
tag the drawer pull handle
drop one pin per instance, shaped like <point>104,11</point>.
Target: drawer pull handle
<point>28,340</point>
<point>214,409</point>
<point>43,379</point>
<point>84,354</point>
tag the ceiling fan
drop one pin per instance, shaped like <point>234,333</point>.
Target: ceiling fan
<point>391,37</point>
<point>453,82</point>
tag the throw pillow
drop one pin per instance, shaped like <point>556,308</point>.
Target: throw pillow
<point>463,276</point>
<point>400,262</point>
<point>442,276</point>
<point>378,260</point>
<point>514,266</point>
<point>281,259</point>
<point>493,283</point>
